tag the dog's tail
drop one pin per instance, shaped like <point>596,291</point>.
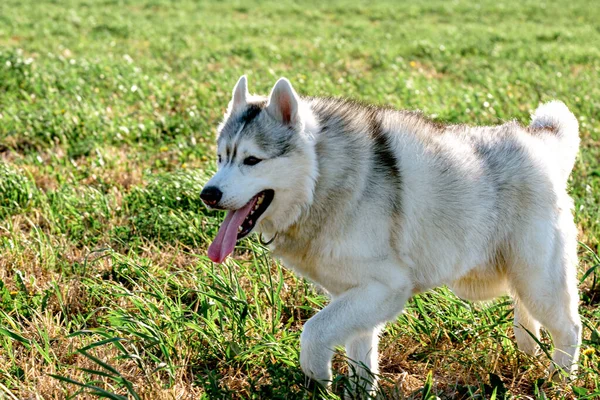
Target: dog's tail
<point>554,118</point>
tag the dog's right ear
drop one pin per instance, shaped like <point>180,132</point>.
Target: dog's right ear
<point>283,102</point>
<point>240,94</point>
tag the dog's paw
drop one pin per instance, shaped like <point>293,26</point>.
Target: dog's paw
<point>529,347</point>
<point>315,357</point>
<point>561,376</point>
<point>316,365</point>
<point>526,343</point>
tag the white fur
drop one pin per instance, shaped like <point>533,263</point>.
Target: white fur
<point>454,228</point>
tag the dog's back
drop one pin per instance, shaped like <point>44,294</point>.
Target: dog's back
<point>445,199</point>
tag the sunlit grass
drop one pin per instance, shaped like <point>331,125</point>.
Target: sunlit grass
<point>108,112</point>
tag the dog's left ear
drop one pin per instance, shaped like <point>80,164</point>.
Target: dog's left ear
<point>283,103</point>
<point>239,95</point>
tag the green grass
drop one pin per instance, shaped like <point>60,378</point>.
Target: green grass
<point>108,112</point>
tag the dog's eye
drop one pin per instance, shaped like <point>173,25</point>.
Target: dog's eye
<point>251,160</point>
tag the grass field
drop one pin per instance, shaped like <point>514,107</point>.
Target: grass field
<point>108,112</point>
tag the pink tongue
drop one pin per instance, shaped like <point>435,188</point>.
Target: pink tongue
<point>224,243</point>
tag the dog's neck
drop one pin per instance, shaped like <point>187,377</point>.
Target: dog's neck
<point>288,223</point>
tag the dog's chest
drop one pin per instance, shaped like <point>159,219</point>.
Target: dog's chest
<point>336,266</point>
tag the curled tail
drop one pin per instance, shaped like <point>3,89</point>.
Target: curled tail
<point>555,118</point>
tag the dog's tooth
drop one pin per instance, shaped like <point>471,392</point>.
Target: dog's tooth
<point>259,201</point>
<point>250,222</point>
<point>239,229</point>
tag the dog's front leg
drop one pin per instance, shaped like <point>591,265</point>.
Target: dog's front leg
<point>362,354</point>
<point>354,314</point>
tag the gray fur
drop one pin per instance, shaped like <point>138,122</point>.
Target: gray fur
<point>376,204</point>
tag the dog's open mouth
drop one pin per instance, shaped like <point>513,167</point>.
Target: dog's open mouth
<point>261,203</point>
<point>238,224</point>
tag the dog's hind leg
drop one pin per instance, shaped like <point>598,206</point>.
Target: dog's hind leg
<point>362,354</point>
<point>545,283</point>
<point>557,311</point>
<point>526,328</point>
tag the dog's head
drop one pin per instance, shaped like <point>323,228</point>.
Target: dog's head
<point>266,165</point>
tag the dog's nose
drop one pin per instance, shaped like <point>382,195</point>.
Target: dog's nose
<point>211,195</point>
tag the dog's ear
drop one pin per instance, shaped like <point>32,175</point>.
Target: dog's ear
<point>240,94</point>
<point>283,103</point>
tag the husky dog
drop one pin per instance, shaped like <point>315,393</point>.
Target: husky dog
<point>376,205</point>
